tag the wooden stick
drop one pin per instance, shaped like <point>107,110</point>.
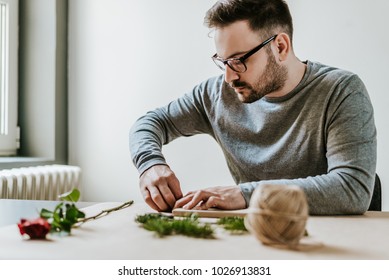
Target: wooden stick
<point>210,213</point>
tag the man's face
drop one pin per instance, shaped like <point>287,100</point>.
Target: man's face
<point>264,76</point>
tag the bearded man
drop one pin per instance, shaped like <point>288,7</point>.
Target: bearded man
<point>278,120</point>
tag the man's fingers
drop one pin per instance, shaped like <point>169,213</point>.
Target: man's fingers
<point>167,195</point>
<point>174,186</point>
<point>147,197</point>
<point>199,196</point>
<point>228,198</point>
<point>181,202</point>
<point>160,187</point>
<point>158,199</point>
<point>213,202</point>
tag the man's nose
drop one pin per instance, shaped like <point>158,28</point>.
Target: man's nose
<point>230,75</point>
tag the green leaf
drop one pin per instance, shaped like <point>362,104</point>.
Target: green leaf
<point>66,225</point>
<point>58,208</point>
<point>73,214</point>
<point>46,214</point>
<point>55,227</point>
<point>72,196</point>
<point>80,214</point>
<point>58,213</point>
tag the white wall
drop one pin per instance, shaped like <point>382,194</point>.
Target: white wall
<point>128,57</point>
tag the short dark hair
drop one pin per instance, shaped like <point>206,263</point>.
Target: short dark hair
<point>266,16</point>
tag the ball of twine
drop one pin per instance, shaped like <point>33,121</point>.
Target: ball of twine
<point>277,215</point>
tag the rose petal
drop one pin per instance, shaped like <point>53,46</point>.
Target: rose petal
<point>35,229</point>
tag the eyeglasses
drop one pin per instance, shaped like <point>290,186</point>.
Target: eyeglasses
<point>237,63</point>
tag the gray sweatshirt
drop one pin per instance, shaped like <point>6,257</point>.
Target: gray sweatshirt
<point>320,136</point>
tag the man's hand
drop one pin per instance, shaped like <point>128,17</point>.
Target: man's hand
<point>228,198</point>
<point>160,187</point>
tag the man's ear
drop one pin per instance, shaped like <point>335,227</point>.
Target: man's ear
<point>283,46</point>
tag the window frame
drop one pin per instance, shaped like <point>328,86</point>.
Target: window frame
<point>42,96</point>
<point>9,140</point>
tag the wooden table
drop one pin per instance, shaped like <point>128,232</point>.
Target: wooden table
<point>118,237</point>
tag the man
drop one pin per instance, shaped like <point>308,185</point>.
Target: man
<point>277,119</point>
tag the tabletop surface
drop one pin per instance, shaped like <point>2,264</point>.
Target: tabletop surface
<point>118,236</point>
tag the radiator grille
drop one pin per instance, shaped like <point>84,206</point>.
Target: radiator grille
<point>39,182</point>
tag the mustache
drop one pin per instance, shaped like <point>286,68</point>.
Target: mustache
<point>236,84</point>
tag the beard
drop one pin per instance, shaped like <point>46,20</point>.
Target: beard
<point>273,78</point>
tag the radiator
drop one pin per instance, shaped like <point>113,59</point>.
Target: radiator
<point>39,182</point>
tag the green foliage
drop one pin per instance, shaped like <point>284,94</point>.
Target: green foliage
<point>65,215</point>
<point>72,196</point>
<point>233,224</point>
<point>164,225</point>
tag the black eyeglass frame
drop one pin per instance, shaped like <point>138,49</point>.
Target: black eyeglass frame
<point>241,59</point>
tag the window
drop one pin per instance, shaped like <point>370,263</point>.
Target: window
<point>8,76</point>
<point>37,41</point>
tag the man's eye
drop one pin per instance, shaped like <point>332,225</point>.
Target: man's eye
<point>235,62</point>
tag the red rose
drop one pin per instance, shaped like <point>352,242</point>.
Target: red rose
<point>36,229</point>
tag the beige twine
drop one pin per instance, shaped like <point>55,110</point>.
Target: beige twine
<point>277,215</point>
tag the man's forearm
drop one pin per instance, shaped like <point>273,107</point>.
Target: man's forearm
<point>146,144</point>
<point>330,194</point>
